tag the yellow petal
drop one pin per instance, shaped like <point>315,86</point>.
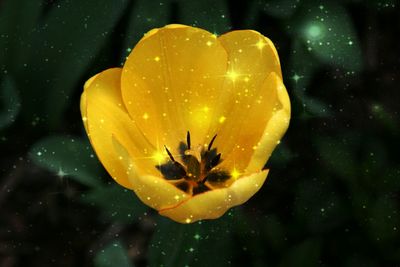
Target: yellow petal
<point>171,83</point>
<point>154,191</point>
<point>213,204</point>
<point>247,99</point>
<point>106,116</point>
<point>275,128</point>
<point>241,134</point>
<point>83,103</point>
<point>250,55</point>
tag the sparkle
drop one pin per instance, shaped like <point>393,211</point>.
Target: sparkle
<point>197,236</point>
<point>209,43</point>
<point>188,220</point>
<point>191,249</point>
<point>350,42</point>
<point>61,173</point>
<point>235,174</point>
<point>145,116</point>
<point>233,75</point>
<point>176,197</point>
<point>158,156</point>
<point>260,44</point>
<point>222,119</point>
<point>157,59</point>
<point>39,153</point>
<point>296,77</point>
<point>314,31</point>
<point>206,109</point>
<point>246,79</point>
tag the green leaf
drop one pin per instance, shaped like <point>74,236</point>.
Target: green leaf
<point>252,14</point>
<point>204,243</point>
<point>338,154</point>
<point>274,232</point>
<point>145,15</point>
<point>212,15</point>
<point>313,107</point>
<point>63,50</point>
<point>390,180</point>
<point>281,156</point>
<point>9,102</point>
<point>68,156</point>
<point>384,219</point>
<point>306,253</point>
<point>383,5</point>
<point>385,117</point>
<point>360,260</point>
<point>18,19</point>
<point>116,203</point>
<point>329,34</point>
<point>280,8</point>
<point>112,255</point>
<point>303,66</point>
<point>318,206</point>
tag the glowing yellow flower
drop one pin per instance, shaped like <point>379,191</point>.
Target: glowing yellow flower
<point>190,120</point>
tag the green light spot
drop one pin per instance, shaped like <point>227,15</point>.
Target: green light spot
<point>314,31</point>
<point>296,77</point>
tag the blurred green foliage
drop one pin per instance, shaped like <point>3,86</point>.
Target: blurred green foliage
<point>10,102</point>
<point>112,255</point>
<point>332,195</point>
<point>68,156</point>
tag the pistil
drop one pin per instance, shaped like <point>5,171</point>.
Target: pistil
<point>194,176</point>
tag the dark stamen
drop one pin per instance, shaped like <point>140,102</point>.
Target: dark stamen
<point>215,160</point>
<point>216,177</point>
<point>169,154</point>
<point>172,170</point>
<point>188,140</point>
<point>193,173</point>
<point>200,188</point>
<point>184,186</point>
<point>208,158</point>
<point>211,143</point>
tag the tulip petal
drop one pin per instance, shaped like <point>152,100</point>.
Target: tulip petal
<point>170,83</point>
<point>250,54</point>
<point>248,121</point>
<point>213,204</point>
<point>83,103</point>
<point>152,190</point>
<point>106,116</point>
<point>247,99</point>
<point>275,129</point>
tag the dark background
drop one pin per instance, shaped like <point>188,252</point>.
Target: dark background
<point>332,195</point>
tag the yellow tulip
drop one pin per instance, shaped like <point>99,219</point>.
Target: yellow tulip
<point>190,119</point>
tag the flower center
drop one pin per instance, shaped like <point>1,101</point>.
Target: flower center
<point>194,176</point>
